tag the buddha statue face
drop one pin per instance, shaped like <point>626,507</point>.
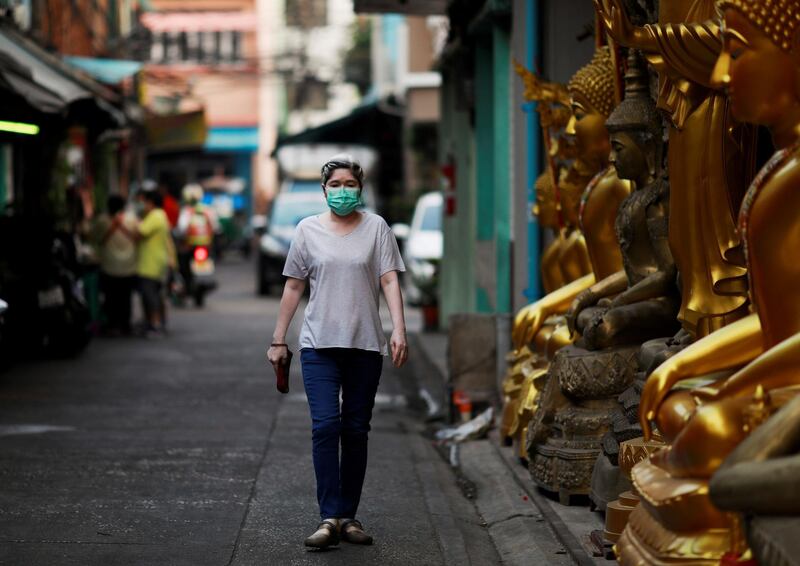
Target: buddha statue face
<point>546,208</point>
<point>629,157</point>
<point>591,91</point>
<point>635,128</point>
<point>587,126</point>
<point>758,64</point>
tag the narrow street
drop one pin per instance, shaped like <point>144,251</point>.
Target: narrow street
<point>180,451</point>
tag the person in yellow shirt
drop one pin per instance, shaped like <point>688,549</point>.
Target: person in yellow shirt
<point>155,255</point>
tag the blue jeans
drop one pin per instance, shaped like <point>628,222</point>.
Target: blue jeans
<point>356,373</point>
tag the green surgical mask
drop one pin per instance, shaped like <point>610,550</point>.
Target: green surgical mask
<point>343,200</point>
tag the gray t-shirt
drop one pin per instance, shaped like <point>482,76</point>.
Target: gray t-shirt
<point>344,275</point>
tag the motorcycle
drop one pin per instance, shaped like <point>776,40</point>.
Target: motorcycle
<point>64,319</point>
<point>198,273</point>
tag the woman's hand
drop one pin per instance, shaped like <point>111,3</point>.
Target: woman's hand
<point>399,347</point>
<point>276,354</point>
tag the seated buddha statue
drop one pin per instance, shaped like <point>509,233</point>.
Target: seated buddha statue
<point>580,394</point>
<point>710,157</point>
<point>590,194</point>
<point>760,69</point>
<point>639,301</point>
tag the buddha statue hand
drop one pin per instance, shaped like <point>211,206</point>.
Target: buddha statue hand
<point>584,299</point>
<point>655,390</point>
<point>619,26</point>
<point>594,332</point>
<point>527,323</point>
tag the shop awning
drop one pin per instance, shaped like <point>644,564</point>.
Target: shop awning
<point>108,71</point>
<point>17,78</point>
<point>159,22</point>
<point>51,75</point>
<point>378,124</point>
<point>236,139</point>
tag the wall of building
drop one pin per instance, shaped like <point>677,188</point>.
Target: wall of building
<point>457,288</point>
<point>76,27</point>
<point>526,158</point>
<point>573,20</point>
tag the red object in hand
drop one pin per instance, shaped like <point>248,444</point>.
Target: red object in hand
<point>282,372</point>
<point>200,254</point>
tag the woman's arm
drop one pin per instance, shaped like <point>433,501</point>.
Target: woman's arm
<point>391,290</point>
<point>292,292</point>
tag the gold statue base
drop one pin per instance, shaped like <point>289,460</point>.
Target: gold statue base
<point>631,452</point>
<point>617,513</point>
<point>675,523</point>
<point>576,409</point>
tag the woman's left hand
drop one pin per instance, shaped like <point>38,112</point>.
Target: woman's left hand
<point>399,347</point>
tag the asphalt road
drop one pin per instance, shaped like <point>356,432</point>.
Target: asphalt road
<point>180,452</point>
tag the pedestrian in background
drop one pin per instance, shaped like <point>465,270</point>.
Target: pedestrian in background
<point>114,234</point>
<point>155,256</point>
<point>347,257</point>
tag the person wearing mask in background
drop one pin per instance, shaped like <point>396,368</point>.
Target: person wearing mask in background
<point>115,241</point>
<point>154,258</point>
<point>348,257</point>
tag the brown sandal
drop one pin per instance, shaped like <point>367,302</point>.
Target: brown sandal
<point>353,532</point>
<point>327,534</point>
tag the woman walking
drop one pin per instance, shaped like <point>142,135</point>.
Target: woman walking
<point>347,256</point>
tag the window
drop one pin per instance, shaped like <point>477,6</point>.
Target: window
<point>309,93</point>
<point>205,47</point>
<point>432,218</point>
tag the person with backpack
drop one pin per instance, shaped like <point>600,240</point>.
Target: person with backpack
<point>196,227</point>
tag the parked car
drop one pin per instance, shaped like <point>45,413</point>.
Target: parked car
<point>422,250</point>
<point>288,209</point>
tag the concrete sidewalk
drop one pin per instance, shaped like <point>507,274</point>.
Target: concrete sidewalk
<point>526,525</point>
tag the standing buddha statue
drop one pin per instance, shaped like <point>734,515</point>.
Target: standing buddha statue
<point>759,66</point>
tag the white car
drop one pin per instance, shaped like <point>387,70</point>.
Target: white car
<point>422,251</point>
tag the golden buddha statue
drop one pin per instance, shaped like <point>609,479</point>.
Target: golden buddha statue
<point>710,158</point>
<point>760,69</point>
<point>546,210</point>
<point>586,212</point>
<point>590,194</point>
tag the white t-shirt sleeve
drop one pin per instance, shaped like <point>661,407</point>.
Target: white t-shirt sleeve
<point>296,265</point>
<point>390,259</point>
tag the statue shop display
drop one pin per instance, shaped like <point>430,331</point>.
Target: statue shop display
<point>705,421</point>
<point>617,313</point>
<point>661,378</point>
<point>589,202</point>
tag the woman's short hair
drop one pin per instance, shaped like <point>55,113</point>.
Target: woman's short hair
<point>343,161</point>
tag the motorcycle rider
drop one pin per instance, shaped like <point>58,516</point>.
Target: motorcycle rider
<point>196,227</point>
